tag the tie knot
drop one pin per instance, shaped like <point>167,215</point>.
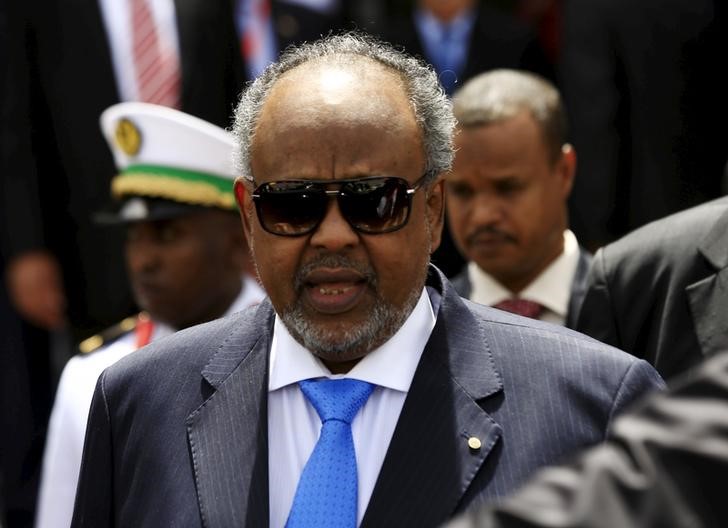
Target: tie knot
<point>336,399</point>
<point>521,307</point>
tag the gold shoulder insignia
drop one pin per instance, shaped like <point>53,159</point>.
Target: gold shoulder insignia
<point>95,342</point>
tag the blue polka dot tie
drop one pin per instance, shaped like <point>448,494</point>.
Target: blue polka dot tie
<point>326,495</point>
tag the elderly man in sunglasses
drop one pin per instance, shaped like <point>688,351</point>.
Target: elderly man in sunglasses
<point>364,391</point>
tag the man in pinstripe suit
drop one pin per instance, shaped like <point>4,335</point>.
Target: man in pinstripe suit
<point>341,149</point>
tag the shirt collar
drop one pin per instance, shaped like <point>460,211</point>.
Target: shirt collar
<point>547,289</point>
<point>392,365</point>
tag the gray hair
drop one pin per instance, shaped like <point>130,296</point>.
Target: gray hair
<point>502,94</point>
<point>432,108</point>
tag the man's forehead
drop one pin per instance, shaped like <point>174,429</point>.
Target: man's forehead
<point>332,79</point>
<point>324,120</point>
<point>353,96</point>
<point>338,71</point>
<point>353,87</point>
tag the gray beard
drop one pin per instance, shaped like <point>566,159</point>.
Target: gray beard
<point>383,322</point>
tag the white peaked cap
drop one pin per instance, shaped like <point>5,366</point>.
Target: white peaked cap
<point>164,153</point>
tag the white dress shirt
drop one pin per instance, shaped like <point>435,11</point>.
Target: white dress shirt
<point>294,425</point>
<point>116,16</point>
<point>67,426</point>
<point>551,289</point>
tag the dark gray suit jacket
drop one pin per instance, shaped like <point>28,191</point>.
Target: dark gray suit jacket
<point>661,293</point>
<point>177,434</point>
<point>578,286</point>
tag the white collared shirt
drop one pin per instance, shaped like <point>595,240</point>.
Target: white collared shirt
<point>116,16</point>
<point>551,289</point>
<point>294,425</point>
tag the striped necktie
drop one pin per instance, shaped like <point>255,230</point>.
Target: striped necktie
<point>157,70</point>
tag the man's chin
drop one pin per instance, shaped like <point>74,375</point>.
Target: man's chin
<point>349,336</point>
<point>333,341</point>
<point>496,267</point>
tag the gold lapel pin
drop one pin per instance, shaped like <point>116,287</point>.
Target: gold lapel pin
<point>474,443</point>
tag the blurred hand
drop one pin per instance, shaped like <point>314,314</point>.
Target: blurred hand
<point>36,289</point>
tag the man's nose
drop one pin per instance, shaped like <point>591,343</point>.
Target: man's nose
<point>334,233</point>
<point>142,255</point>
<point>486,210</point>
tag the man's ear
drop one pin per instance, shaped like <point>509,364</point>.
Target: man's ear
<point>435,214</point>
<point>245,206</point>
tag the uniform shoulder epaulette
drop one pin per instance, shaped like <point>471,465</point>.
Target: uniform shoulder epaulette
<point>108,335</point>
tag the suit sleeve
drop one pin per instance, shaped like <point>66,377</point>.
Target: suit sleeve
<point>639,380</point>
<point>596,317</point>
<point>94,496</point>
<point>659,468</point>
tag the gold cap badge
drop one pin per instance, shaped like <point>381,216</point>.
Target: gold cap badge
<point>128,137</point>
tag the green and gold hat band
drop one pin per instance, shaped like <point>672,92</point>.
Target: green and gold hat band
<point>180,185</point>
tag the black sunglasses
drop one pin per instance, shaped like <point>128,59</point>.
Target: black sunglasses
<point>370,205</point>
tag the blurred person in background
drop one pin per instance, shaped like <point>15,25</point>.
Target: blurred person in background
<point>66,63</point>
<point>187,258</point>
<point>460,39</point>
<point>507,198</point>
<point>63,271</point>
<point>25,379</point>
<point>267,27</point>
<point>645,86</point>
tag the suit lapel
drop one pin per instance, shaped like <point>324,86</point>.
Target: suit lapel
<point>708,297</point>
<point>429,464</point>
<point>228,434</point>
